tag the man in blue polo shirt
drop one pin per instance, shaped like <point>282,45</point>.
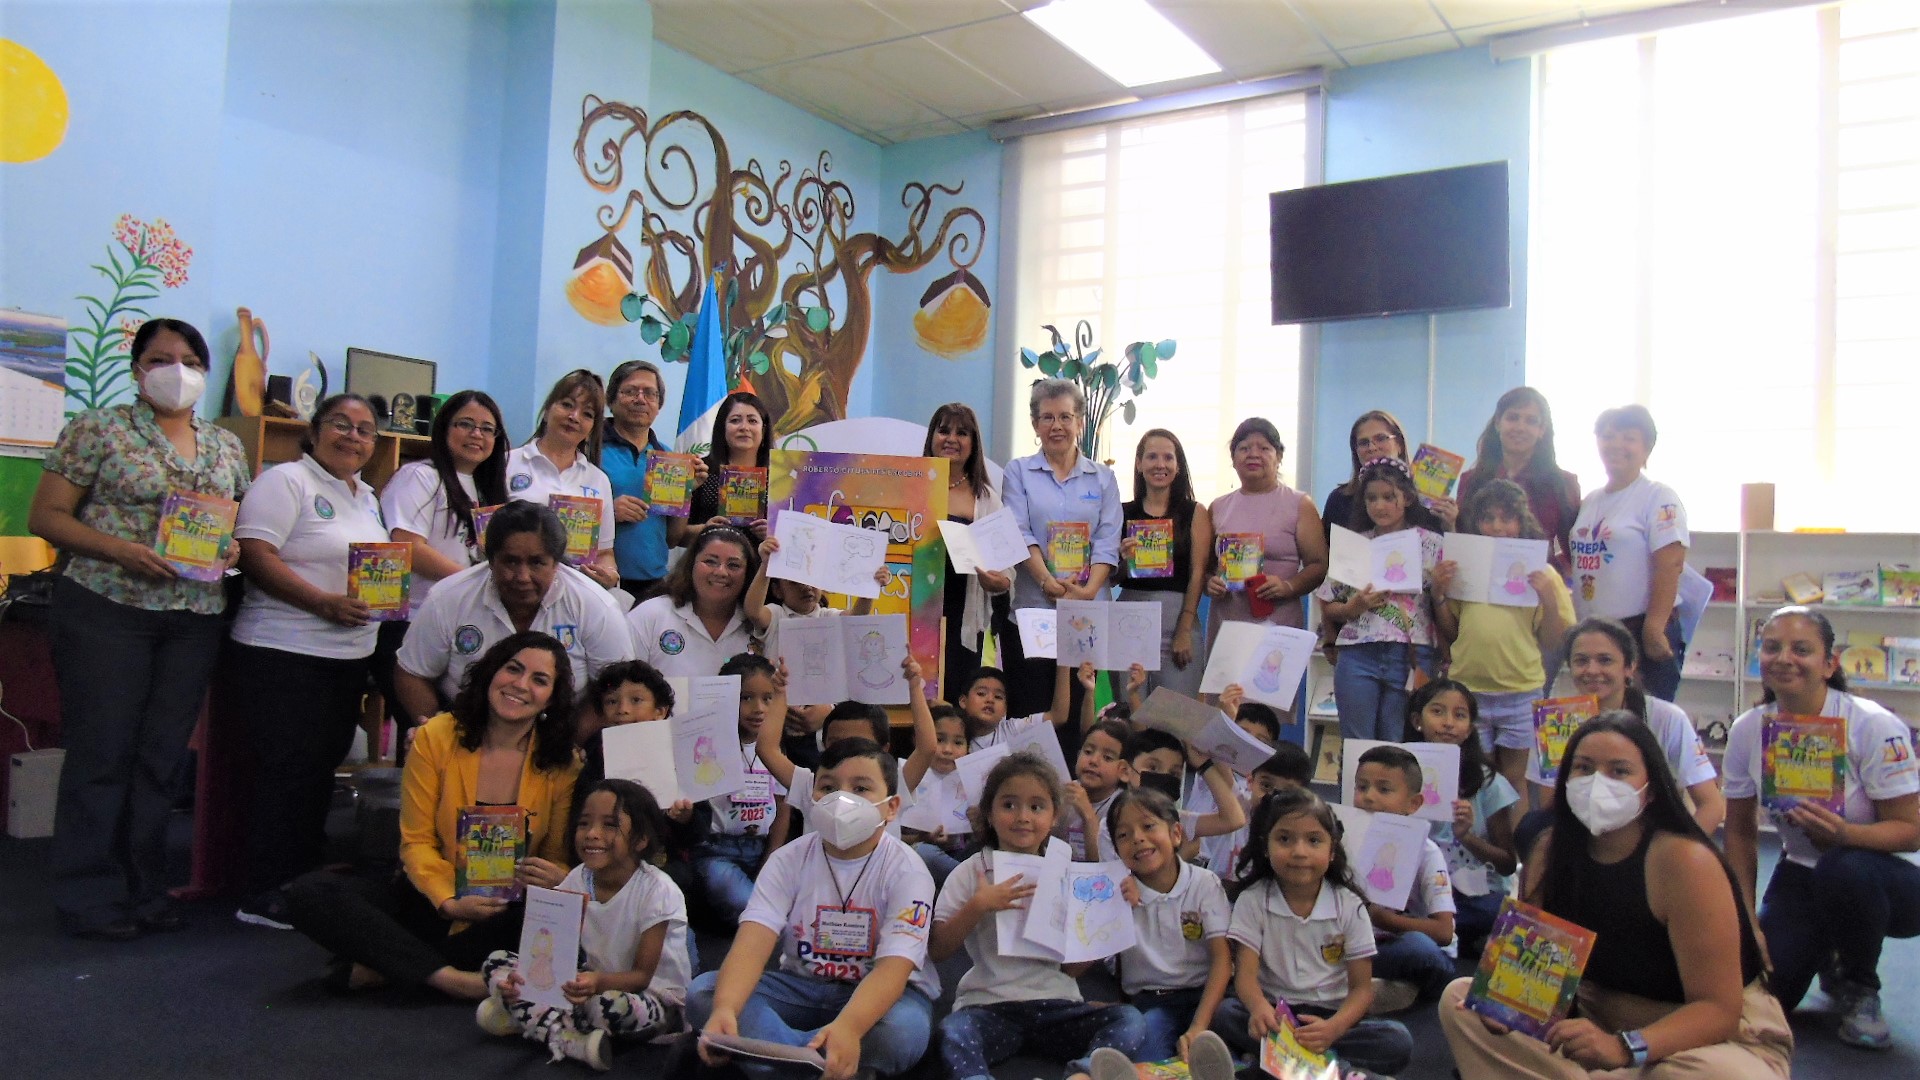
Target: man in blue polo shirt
<point>635,396</point>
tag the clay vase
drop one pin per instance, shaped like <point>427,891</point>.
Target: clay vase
<point>248,395</point>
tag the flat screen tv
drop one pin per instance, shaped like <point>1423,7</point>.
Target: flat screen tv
<point>1418,242</point>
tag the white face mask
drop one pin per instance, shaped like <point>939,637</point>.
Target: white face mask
<point>172,387</point>
<point>1602,803</point>
<point>844,819</point>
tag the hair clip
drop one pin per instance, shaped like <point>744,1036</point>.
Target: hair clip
<point>1395,462</point>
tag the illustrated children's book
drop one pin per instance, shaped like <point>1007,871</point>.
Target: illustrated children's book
<point>743,494</point>
<point>550,945</point>
<point>1208,730</point>
<point>581,515</point>
<point>482,515</point>
<point>1153,548</point>
<point>1852,588</point>
<point>196,533</point>
<point>829,555</point>
<point>992,542</point>
<point>1864,657</point>
<point>689,755</point>
<point>1109,634</point>
<point>1903,660</point>
<point>493,839</point>
<point>1283,1058</point>
<point>1803,759</point>
<point>669,483</point>
<point>1390,563</point>
<point>1386,857</point>
<point>1899,586</point>
<point>1530,969</point>
<point>381,575</point>
<point>1070,551</point>
<point>1554,722</point>
<point>1801,588</point>
<point>1240,554</point>
<point>1435,472</point>
<point>1493,570</point>
<point>850,658</point>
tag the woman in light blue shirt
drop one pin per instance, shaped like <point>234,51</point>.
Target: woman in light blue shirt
<point>1049,493</point>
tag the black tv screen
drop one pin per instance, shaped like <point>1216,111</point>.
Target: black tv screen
<point>1418,242</point>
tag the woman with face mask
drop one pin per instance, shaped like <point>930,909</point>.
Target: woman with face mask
<point>1677,977</point>
<point>120,608</point>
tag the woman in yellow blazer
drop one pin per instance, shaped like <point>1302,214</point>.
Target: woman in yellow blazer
<point>507,741</point>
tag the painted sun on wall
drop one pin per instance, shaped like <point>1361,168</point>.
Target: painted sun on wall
<point>780,244</point>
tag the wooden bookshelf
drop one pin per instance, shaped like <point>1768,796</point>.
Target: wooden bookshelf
<point>273,440</point>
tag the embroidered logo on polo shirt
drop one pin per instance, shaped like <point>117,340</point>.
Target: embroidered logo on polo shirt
<point>565,633</point>
<point>520,482</point>
<point>1334,949</point>
<point>468,639</point>
<point>1190,927</point>
<point>672,643</point>
<point>323,508</point>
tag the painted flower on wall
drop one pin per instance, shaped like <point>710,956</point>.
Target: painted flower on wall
<point>150,258</point>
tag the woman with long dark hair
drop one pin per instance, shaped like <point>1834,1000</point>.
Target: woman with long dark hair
<point>1517,445</point>
<point>1377,434</point>
<point>1676,977</point>
<point>970,599</point>
<point>1163,491</point>
<point>698,621</point>
<point>563,458</point>
<point>742,437</point>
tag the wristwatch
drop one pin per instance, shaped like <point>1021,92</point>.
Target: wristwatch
<point>1636,1044</point>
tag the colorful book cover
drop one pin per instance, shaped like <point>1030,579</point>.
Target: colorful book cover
<point>1153,548</point>
<point>1852,588</point>
<point>493,840</point>
<point>1801,588</point>
<point>1899,586</point>
<point>743,494</point>
<point>1803,759</point>
<point>1170,1069</point>
<point>482,515</point>
<point>1070,550</point>
<point>1282,1056</point>
<point>196,533</point>
<point>1239,554</point>
<point>1903,666</point>
<point>381,576</point>
<point>1554,722</point>
<point>1435,472</point>
<point>581,515</point>
<point>669,485</point>
<point>1753,646</point>
<point>1530,970</point>
<point>1864,661</point>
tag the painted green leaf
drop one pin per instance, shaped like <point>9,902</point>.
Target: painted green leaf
<point>632,307</point>
<point>1110,375</point>
<point>1127,411</point>
<point>1147,351</point>
<point>1028,358</point>
<point>776,315</point>
<point>1049,365</point>
<point>818,319</point>
<point>759,362</point>
<point>1151,367</point>
<point>679,337</point>
<point>1165,349</point>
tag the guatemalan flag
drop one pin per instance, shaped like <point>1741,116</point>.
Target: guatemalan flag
<point>706,377</point>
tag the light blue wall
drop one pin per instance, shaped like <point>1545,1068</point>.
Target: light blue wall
<point>527,93</point>
<point>1456,108</point>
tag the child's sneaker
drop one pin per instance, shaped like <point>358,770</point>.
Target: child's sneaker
<point>1106,1063</point>
<point>591,1047</point>
<point>268,909</point>
<point>1392,996</point>
<point>494,1019</point>
<point>1862,1024</point>
<point>1208,1058</point>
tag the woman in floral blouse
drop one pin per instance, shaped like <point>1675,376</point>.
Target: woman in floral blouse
<point>134,642</point>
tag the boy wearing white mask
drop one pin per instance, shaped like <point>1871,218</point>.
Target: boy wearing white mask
<point>847,909</point>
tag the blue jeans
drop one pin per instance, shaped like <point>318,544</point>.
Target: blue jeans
<point>791,1009</point>
<point>1473,915</point>
<point>939,862</point>
<point>1849,902</point>
<point>1372,1045</point>
<point>1370,687</point>
<point>1168,1013</point>
<point>725,865</point>
<point>1416,958</point>
<point>974,1039</point>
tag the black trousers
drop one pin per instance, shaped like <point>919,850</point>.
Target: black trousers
<point>131,682</point>
<point>302,712</point>
<point>388,926</point>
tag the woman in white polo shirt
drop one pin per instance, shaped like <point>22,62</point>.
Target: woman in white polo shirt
<point>700,621</point>
<point>563,459</point>
<point>299,655</point>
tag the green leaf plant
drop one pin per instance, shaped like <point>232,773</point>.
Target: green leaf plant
<point>1106,385</point>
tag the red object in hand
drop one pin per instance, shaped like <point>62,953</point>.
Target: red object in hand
<point>1262,607</point>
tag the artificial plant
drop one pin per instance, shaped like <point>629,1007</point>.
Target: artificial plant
<point>1102,382</point>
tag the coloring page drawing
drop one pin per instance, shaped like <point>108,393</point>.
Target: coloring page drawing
<point>1267,661</point>
<point>1037,632</point>
<point>1109,634</point>
<point>991,543</point>
<point>849,657</point>
<point>550,944</point>
<point>837,558</point>
<point>1439,768</point>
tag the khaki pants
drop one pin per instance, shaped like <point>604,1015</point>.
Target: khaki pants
<point>1763,1047</point>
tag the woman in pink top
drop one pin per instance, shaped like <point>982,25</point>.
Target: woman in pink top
<point>1294,558</point>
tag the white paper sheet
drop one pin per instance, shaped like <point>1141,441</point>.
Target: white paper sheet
<point>1042,741</point>
<point>991,543</point>
<point>1439,768</point>
<point>1493,570</point>
<point>1388,858</point>
<point>941,804</point>
<point>1390,563</point>
<point>689,756</point>
<point>1112,635</point>
<point>1079,914</point>
<point>549,945</point>
<point>1210,731</point>
<point>852,657</point>
<point>1266,660</point>
<point>1010,926</point>
<point>1037,632</point>
<point>828,555</point>
<point>973,768</point>
<point>643,753</point>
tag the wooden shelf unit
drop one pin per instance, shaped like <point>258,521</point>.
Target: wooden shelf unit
<point>273,440</point>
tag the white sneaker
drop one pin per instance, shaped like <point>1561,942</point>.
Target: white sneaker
<point>1106,1063</point>
<point>494,1019</point>
<point>1208,1058</point>
<point>1392,996</point>
<point>1862,1024</point>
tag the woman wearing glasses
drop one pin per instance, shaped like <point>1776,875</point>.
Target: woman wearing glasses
<point>1378,434</point>
<point>298,662</point>
<point>563,459</point>
<point>636,395</point>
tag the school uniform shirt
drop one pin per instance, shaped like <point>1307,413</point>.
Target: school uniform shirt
<point>993,977</point>
<point>532,476</point>
<point>1498,648</point>
<point>1075,830</point>
<point>1220,852</point>
<point>1405,617</point>
<point>1006,729</point>
<point>1686,754</point>
<point>639,547</point>
<point>1171,931</point>
<point>800,793</point>
<point>1037,498</point>
<point>611,932</point>
<point>1472,876</point>
<point>416,500</point>
<point>465,616</point>
<point>1303,961</point>
<point>310,516</point>
<point>837,918</point>
<point>1614,539</point>
<point>1880,765</point>
<point>1432,892</point>
<point>749,811</point>
<point>675,641</point>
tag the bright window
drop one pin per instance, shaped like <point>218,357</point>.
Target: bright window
<point>1726,228</point>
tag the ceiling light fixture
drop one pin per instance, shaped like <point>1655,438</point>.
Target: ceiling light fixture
<point>1129,40</point>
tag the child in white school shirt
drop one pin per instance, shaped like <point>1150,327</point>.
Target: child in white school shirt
<point>1413,960</point>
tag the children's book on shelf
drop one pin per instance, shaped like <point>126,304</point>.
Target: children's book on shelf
<point>381,576</point>
<point>1152,548</point>
<point>1725,579</point>
<point>1754,634</point>
<point>669,483</point>
<point>1554,722</point>
<point>1283,1058</point>
<point>581,515</point>
<point>743,494</point>
<point>1328,752</point>
<point>1239,554</point>
<point>1864,657</point>
<point>1070,550</point>
<point>1803,759</point>
<point>1435,472</point>
<point>1530,970</point>
<point>1802,588</point>
<point>482,515</point>
<point>196,534</point>
<point>1709,663</point>
<point>1903,660</point>
<point>1852,588</point>
<point>1899,585</point>
<point>493,840</point>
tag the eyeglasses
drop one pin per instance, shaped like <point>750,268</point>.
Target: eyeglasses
<point>639,393</point>
<point>1382,440</point>
<point>1050,419</point>
<point>469,427</point>
<point>343,427</point>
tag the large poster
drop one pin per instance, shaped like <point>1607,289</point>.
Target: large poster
<point>902,497</point>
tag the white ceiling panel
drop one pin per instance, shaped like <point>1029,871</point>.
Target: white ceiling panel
<point>1247,36</point>
<point>926,72</point>
<point>1362,22</point>
<point>926,16</point>
<point>844,85</point>
<point>1020,55</point>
